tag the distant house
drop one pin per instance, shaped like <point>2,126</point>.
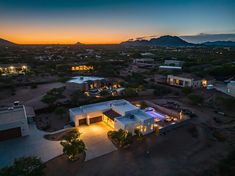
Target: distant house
<point>188,80</point>
<point>231,88</point>
<point>13,69</point>
<point>166,67</point>
<point>144,62</point>
<point>148,54</point>
<point>13,122</point>
<point>173,63</point>
<point>84,83</point>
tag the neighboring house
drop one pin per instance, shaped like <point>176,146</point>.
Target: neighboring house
<point>118,114</point>
<point>144,62</point>
<point>13,69</point>
<point>13,122</point>
<point>84,83</point>
<point>166,67</point>
<point>147,54</point>
<point>187,80</point>
<point>173,63</point>
<point>231,88</point>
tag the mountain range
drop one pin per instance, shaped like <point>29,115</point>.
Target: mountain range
<point>173,41</point>
<point>163,41</point>
<point>4,42</point>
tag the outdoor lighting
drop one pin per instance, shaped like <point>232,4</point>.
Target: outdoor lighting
<point>82,68</point>
<point>204,83</point>
<point>24,67</point>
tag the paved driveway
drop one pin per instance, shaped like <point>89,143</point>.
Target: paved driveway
<point>96,140</point>
<point>32,145</point>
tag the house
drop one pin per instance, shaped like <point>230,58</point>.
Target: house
<point>13,69</point>
<point>144,62</point>
<point>148,54</point>
<point>173,63</point>
<point>13,122</point>
<point>118,114</point>
<point>166,67</point>
<point>84,83</point>
<point>188,80</point>
<point>231,88</point>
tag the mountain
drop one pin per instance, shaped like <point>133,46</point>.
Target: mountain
<point>203,37</point>
<point>220,43</point>
<point>4,42</point>
<point>166,41</point>
<point>79,43</point>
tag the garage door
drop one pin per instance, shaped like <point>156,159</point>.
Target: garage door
<point>82,122</point>
<point>96,119</point>
<point>10,133</point>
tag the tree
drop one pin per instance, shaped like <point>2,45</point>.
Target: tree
<point>25,166</point>
<point>72,145</point>
<point>53,95</point>
<point>49,99</point>
<point>196,99</point>
<point>187,90</point>
<point>60,111</point>
<point>123,137</point>
<point>138,133</point>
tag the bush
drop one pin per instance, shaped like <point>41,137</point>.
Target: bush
<point>34,86</point>
<point>187,90</point>
<point>226,166</point>
<point>228,103</point>
<point>24,166</point>
<point>122,137</point>
<point>196,99</point>
<point>72,145</point>
<point>161,90</point>
<point>60,111</point>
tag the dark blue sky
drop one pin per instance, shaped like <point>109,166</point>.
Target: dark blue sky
<point>111,21</point>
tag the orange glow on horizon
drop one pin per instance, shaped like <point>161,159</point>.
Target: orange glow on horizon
<point>38,40</point>
<point>55,34</point>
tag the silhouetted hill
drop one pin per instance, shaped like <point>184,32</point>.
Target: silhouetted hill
<point>219,43</point>
<point>4,42</point>
<point>166,41</point>
<point>79,43</point>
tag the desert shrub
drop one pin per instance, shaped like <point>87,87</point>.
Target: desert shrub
<point>161,90</point>
<point>196,99</point>
<point>186,90</point>
<point>24,166</point>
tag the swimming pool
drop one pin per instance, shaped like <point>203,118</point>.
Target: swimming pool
<point>153,113</point>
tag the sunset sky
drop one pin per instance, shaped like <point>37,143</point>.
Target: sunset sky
<point>111,21</point>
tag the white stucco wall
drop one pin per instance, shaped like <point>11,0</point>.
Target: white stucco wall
<point>23,124</point>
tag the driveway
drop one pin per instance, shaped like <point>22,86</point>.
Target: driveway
<point>32,145</point>
<point>96,140</point>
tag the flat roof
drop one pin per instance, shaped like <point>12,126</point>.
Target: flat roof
<point>170,67</point>
<point>141,115</point>
<point>127,120</point>
<point>119,105</point>
<point>12,114</point>
<point>111,114</point>
<point>123,106</point>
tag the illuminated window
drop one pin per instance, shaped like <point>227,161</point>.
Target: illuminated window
<point>204,83</point>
